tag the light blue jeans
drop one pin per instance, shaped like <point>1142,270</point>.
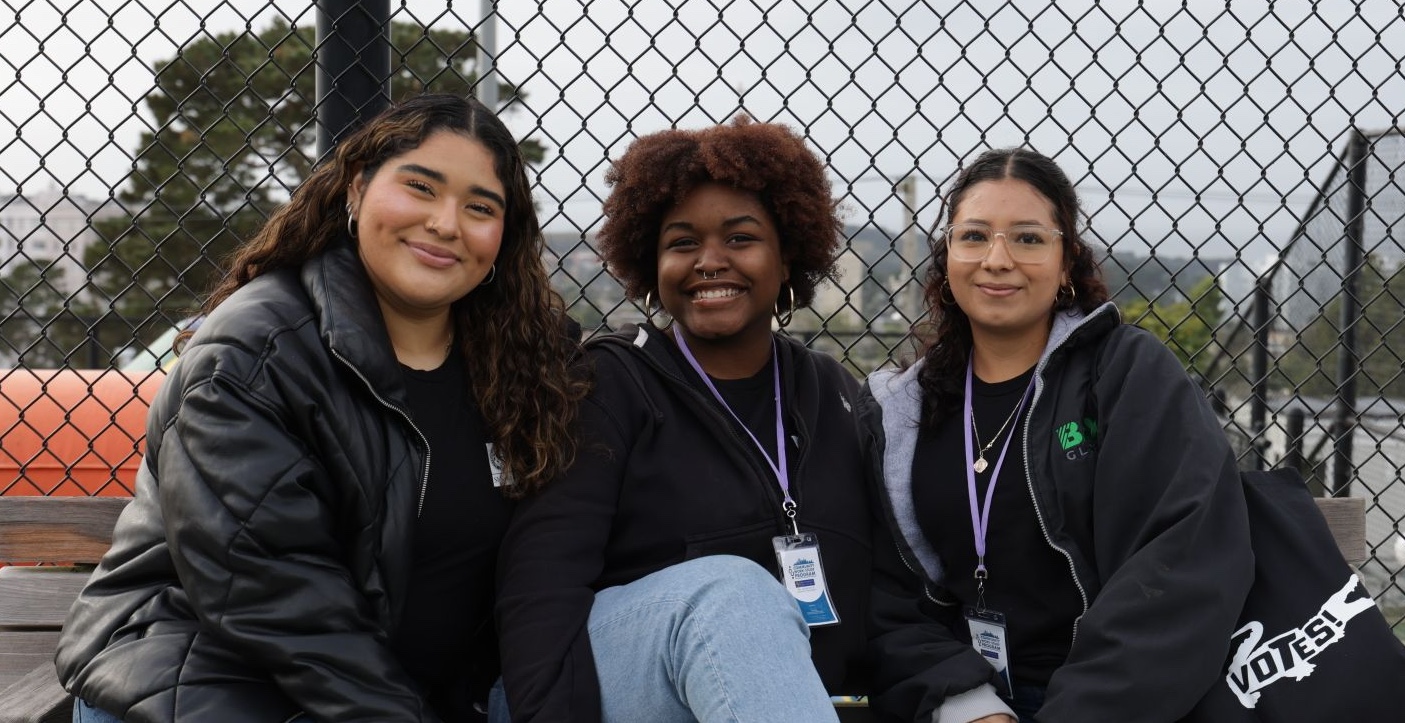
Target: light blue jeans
<point>713,639</point>
<point>84,713</point>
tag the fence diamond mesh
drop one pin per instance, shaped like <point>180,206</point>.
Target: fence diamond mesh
<point>1218,149</point>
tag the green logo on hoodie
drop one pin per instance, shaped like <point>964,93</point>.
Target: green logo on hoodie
<point>1073,434</point>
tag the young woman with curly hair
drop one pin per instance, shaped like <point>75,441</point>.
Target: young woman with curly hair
<point>1058,488</point>
<point>328,467</point>
<point>643,584</point>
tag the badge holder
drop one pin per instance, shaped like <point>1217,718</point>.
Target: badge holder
<point>988,635</point>
<point>802,572</point>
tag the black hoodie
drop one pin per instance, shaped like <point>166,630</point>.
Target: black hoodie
<point>1135,486</point>
<point>664,477</point>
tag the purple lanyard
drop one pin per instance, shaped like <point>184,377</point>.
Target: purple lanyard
<point>980,514</point>
<point>777,466</point>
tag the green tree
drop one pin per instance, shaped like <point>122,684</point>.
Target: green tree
<point>1309,365</point>
<point>1187,327</point>
<point>39,326</point>
<point>233,133</point>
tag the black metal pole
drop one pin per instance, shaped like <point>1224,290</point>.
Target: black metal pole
<point>1258,369</point>
<point>1348,358</point>
<point>1293,431</point>
<point>353,66</point>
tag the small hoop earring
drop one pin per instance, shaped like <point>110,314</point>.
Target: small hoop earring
<point>950,298</point>
<point>350,221</point>
<point>1063,301</point>
<point>784,319</point>
<point>492,274</point>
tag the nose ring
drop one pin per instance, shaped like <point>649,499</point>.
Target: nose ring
<point>709,275</point>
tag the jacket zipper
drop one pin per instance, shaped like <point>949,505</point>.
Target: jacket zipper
<point>887,506</point>
<point>1034,500</point>
<point>424,481</point>
<point>921,577</point>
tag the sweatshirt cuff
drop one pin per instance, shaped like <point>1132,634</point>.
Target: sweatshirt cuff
<point>971,705</point>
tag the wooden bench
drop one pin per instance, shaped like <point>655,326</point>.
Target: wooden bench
<point>73,532</point>
<point>76,531</point>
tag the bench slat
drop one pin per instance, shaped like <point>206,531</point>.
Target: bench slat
<point>23,651</point>
<point>57,529</point>
<point>37,697</point>
<point>37,597</point>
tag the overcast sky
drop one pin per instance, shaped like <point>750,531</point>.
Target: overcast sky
<point>1210,129</point>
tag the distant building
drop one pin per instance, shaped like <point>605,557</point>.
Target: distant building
<point>52,230</point>
<point>841,305</point>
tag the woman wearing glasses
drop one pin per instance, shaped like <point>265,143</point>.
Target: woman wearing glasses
<point>1070,541</point>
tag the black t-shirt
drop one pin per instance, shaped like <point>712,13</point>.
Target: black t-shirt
<point>1028,581</point>
<point>752,399</point>
<point>446,639</point>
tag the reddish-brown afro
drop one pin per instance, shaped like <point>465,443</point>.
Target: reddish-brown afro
<point>660,169</point>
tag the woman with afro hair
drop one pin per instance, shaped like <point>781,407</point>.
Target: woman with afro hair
<point>707,555</point>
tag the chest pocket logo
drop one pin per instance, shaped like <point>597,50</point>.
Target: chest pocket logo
<point>1077,439</point>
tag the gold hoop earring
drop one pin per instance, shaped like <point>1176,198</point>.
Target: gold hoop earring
<point>950,298</point>
<point>783,319</point>
<point>1063,301</point>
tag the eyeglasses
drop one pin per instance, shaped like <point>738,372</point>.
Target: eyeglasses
<point>1026,243</point>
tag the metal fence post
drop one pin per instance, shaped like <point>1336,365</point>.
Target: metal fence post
<point>1348,366</point>
<point>487,39</point>
<point>353,66</point>
<point>1258,369</point>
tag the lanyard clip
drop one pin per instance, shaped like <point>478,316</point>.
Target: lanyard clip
<point>790,507</point>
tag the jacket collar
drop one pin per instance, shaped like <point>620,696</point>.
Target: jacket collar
<point>349,320</point>
<point>1073,328</point>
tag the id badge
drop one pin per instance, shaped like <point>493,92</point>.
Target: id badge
<point>802,572</point>
<point>988,638</point>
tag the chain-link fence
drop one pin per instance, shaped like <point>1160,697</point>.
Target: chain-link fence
<point>1241,165</point>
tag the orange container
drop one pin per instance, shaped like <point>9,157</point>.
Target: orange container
<point>73,431</point>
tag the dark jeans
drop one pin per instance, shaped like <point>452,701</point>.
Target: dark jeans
<point>1027,700</point>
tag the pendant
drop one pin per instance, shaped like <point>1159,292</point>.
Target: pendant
<point>979,465</point>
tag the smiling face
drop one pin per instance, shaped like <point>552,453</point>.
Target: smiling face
<point>720,267</point>
<point>1003,297</point>
<point>429,225</point>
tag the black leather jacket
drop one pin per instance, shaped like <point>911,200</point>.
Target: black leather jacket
<point>261,569</point>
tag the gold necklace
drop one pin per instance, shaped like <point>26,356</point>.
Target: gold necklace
<point>980,464</point>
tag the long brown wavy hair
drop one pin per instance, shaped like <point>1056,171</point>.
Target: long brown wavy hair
<point>511,331</point>
<point>946,334</point>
